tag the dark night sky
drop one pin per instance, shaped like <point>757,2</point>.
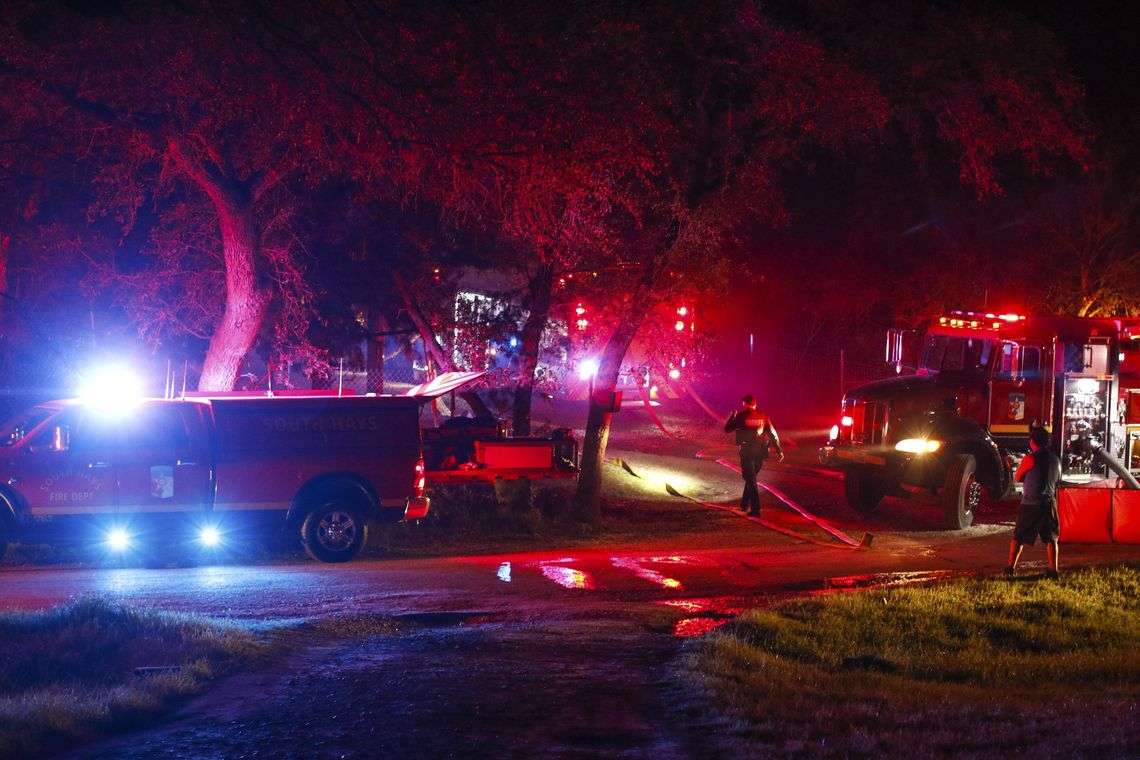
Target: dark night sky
<point>857,210</point>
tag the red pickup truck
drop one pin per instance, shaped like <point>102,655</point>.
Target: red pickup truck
<point>169,475</point>
<point>162,472</point>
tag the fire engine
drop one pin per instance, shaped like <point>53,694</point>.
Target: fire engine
<point>956,420</point>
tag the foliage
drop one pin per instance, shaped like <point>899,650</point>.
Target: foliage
<point>980,667</point>
<point>1092,246</point>
<point>642,140</point>
<point>183,115</point>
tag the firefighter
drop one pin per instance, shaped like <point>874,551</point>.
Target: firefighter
<point>754,435</point>
<point>1039,473</point>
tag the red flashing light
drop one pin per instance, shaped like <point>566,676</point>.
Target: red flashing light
<point>680,325</point>
<point>973,319</point>
<point>421,480</point>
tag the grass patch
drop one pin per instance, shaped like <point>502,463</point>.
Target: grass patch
<point>72,672</point>
<point>982,668</point>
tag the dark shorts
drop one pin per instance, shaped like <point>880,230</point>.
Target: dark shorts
<point>1037,521</point>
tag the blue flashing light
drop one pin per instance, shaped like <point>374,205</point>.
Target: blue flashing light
<point>118,539</point>
<point>210,537</point>
<point>112,387</point>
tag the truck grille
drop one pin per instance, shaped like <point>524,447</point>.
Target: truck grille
<point>869,419</point>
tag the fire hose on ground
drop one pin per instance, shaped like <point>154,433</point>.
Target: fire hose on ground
<point>847,541</point>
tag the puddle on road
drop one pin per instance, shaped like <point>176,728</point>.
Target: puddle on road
<point>705,614</point>
<point>568,577</point>
<point>564,571</point>
<point>888,580</point>
<point>629,563</point>
<point>708,613</point>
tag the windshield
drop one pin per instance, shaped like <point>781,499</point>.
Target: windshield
<point>953,353</point>
<point>14,430</point>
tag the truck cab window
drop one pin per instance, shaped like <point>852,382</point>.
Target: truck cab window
<point>1031,362</point>
<point>1016,360</point>
<point>957,353</point>
<point>157,427</point>
<point>83,430</point>
<point>14,430</point>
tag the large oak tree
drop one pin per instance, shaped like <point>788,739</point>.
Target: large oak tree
<point>181,107</point>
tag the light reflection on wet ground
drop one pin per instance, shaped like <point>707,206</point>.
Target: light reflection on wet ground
<point>710,613</point>
<point>707,613</point>
<point>572,572</point>
<point>629,563</point>
<point>889,580</point>
<point>664,578</point>
<point>567,577</point>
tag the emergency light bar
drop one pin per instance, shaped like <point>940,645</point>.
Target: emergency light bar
<point>973,320</point>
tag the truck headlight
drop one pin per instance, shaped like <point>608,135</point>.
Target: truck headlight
<point>918,445</point>
<point>834,434</point>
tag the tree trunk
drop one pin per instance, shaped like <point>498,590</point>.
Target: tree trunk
<point>588,498</point>
<point>539,289</point>
<point>246,296</point>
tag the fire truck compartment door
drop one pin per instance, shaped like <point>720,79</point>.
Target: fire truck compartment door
<point>1017,389</point>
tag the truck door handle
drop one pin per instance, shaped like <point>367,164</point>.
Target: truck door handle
<point>98,465</point>
<point>185,463</point>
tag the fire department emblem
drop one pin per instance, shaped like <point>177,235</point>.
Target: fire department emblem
<point>1016,406</point>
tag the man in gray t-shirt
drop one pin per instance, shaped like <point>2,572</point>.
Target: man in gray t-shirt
<point>1039,474</point>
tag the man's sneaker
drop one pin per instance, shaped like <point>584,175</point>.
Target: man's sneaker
<point>1052,575</point>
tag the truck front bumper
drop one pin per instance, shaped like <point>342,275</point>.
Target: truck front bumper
<point>418,507</point>
<point>926,471</point>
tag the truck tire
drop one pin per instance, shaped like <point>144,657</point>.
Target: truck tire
<point>863,488</point>
<point>962,493</point>
<point>335,530</point>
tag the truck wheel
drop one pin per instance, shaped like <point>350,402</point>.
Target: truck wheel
<point>335,530</point>
<point>863,488</point>
<point>962,492</point>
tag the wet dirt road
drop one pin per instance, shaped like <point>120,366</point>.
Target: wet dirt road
<point>546,654</point>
